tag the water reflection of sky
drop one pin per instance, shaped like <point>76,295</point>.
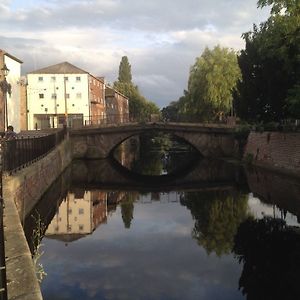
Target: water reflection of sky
<point>259,210</point>
<point>155,259</point>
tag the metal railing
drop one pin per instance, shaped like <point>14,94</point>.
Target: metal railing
<point>23,150</point>
<point>107,120</point>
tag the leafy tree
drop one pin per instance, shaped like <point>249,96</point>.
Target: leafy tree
<point>125,70</point>
<point>212,80</point>
<point>270,65</point>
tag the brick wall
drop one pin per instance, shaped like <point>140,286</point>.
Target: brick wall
<point>275,149</point>
<point>25,187</point>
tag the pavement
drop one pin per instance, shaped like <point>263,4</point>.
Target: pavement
<point>22,282</point>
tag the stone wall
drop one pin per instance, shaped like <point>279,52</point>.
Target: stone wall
<point>26,186</point>
<point>277,150</point>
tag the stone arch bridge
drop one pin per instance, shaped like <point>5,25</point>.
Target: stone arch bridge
<point>210,140</point>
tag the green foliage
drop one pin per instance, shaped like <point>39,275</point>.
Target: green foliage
<point>293,101</point>
<point>270,65</point>
<point>140,109</point>
<point>212,80</point>
<point>125,71</point>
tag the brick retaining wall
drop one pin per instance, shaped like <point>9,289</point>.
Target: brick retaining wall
<point>275,149</point>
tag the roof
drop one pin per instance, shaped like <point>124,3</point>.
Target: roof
<point>62,68</point>
<point>10,56</point>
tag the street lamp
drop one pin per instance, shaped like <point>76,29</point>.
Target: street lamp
<point>5,88</point>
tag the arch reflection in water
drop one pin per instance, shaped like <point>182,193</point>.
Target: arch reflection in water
<point>155,154</point>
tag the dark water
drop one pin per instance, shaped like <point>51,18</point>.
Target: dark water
<point>214,232</point>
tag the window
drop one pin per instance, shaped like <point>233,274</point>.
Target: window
<point>81,227</point>
<point>41,96</point>
<point>80,211</point>
<point>53,96</point>
<point>41,78</point>
<point>69,227</point>
<point>78,95</point>
<point>53,78</point>
<point>78,78</point>
<point>66,78</point>
<point>68,96</point>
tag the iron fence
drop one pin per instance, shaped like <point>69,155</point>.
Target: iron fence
<point>107,120</point>
<point>23,150</point>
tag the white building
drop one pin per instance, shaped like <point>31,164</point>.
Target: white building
<point>13,100</point>
<point>57,94</point>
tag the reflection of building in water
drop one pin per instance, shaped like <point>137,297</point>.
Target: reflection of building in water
<point>78,215</point>
<point>128,152</point>
<point>113,199</point>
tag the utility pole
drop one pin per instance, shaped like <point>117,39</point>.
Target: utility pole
<point>66,105</point>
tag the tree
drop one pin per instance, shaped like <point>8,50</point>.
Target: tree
<point>140,109</point>
<point>125,71</point>
<point>212,80</point>
<point>270,65</point>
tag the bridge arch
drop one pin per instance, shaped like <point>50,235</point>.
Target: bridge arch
<point>93,143</point>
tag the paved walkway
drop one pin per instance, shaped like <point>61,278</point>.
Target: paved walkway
<point>21,279</point>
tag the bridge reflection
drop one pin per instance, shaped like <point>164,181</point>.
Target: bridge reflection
<point>199,174</point>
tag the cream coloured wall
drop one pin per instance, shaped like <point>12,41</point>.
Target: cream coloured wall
<point>77,95</point>
<point>13,100</point>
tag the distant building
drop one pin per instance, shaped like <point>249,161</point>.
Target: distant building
<point>63,94</point>
<point>117,108</point>
<point>12,97</point>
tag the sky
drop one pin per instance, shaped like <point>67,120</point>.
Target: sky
<point>161,38</point>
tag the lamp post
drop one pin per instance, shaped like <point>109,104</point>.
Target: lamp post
<point>5,88</point>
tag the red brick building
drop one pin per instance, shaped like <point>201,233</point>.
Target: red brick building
<point>117,108</point>
<point>97,99</point>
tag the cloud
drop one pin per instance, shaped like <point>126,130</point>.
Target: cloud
<point>160,38</point>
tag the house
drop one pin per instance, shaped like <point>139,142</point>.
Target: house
<point>63,94</point>
<point>10,91</point>
<point>117,108</point>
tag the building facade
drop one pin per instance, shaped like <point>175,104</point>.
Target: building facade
<point>10,91</point>
<point>97,99</point>
<point>117,108</point>
<point>63,94</point>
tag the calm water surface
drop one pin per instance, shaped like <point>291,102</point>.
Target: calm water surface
<point>206,235</point>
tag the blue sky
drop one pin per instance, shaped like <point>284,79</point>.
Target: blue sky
<point>160,38</point>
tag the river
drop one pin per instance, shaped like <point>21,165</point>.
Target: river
<point>205,229</point>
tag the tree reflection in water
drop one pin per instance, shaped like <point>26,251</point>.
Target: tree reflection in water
<point>270,252</point>
<point>217,215</point>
